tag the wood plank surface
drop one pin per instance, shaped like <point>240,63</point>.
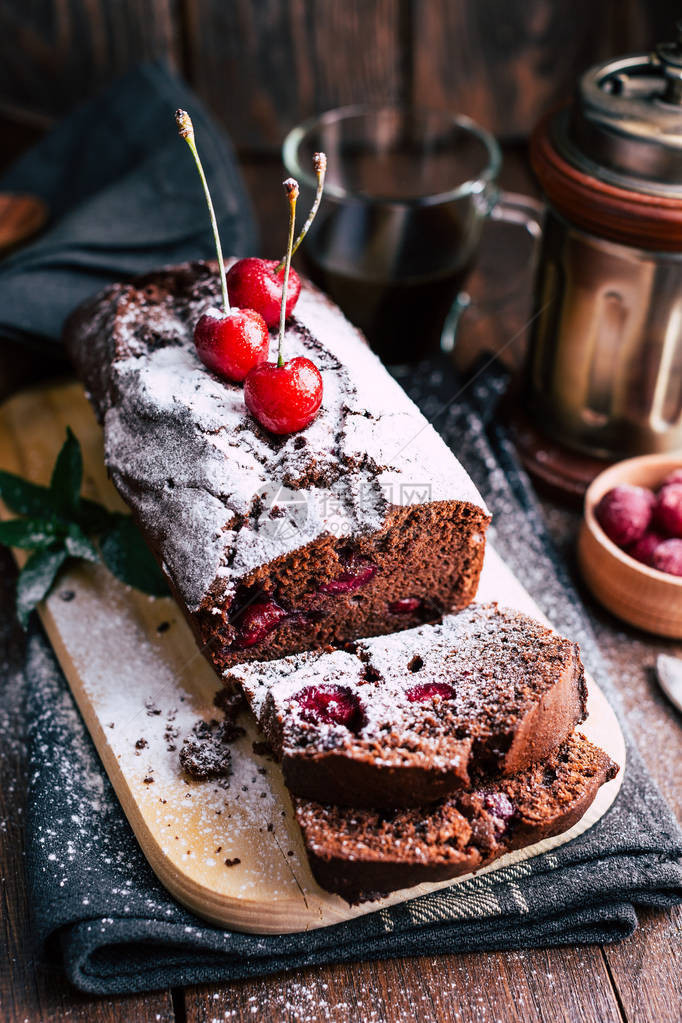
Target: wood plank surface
<point>505,64</point>
<point>645,969</point>
<point>55,55</point>
<point>263,65</point>
<point>542,986</point>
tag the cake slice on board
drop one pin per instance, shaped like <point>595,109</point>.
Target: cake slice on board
<point>403,720</point>
<point>364,854</point>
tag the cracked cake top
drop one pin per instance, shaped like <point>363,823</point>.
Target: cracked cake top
<point>219,494</point>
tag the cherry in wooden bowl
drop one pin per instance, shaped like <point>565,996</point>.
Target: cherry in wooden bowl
<point>639,595</point>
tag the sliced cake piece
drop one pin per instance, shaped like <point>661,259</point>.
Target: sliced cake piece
<point>403,720</point>
<point>362,854</point>
<point>363,523</point>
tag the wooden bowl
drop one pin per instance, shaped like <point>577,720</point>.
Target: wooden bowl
<point>640,595</point>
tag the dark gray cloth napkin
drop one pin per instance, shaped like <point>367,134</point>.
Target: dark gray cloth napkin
<point>124,198</point>
<point>99,907</point>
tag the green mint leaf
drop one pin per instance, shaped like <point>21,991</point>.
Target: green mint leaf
<point>94,518</point>
<point>30,533</point>
<point>67,476</point>
<point>78,545</point>
<point>126,554</point>
<point>36,578</point>
<point>26,498</point>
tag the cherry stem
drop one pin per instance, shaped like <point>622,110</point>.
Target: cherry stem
<point>186,131</point>
<point>291,188</point>
<point>320,165</point>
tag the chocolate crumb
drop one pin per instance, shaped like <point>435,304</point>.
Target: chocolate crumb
<point>163,627</point>
<point>141,743</point>
<point>232,863</point>
<point>262,749</point>
<point>148,780</point>
<point>230,700</point>
<point>204,760</point>
<point>207,753</point>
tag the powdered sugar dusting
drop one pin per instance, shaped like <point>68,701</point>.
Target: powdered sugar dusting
<point>184,452</point>
<point>146,707</point>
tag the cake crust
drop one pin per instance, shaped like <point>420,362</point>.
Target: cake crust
<point>363,523</point>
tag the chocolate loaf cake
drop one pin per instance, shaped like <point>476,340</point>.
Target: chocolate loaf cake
<point>363,854</point>
<point>406,719</point>
<point>364,523</point>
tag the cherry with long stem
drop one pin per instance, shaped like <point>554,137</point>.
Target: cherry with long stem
<point>186,131</point>
<point>285,396</point>
<point>230,343</point>
<point>257,283</point>
<point>291,188</point>
<point>320,165</point>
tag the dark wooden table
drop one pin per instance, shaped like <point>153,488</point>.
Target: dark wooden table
<point>638,980</point>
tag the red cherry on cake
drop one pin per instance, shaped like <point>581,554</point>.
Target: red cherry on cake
<point>257,284</point>
<point>231,344</point>
<point>357,573</point>
<point>285,396</point>
<point>284,399</point>
<point>500,808</point>
<point>234,341</point>
<point>405,605</point>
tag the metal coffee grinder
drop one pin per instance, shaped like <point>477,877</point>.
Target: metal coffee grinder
<point>604,369</point>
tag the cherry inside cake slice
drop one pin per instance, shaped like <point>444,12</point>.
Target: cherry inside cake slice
<point>361,853</point>
<point>405,719</point>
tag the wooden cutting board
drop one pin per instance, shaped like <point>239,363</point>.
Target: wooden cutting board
<point>141,684</point>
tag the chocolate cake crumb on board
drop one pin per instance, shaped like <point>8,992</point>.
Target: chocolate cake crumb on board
<point>206,752</point>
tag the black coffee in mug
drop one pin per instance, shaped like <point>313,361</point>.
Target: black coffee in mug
<point>406,196</point>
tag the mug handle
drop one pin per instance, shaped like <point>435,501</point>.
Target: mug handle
<point>515,208</point>
<point>512,208</point>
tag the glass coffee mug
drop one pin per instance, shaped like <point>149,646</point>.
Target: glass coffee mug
<point>407,194</point>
